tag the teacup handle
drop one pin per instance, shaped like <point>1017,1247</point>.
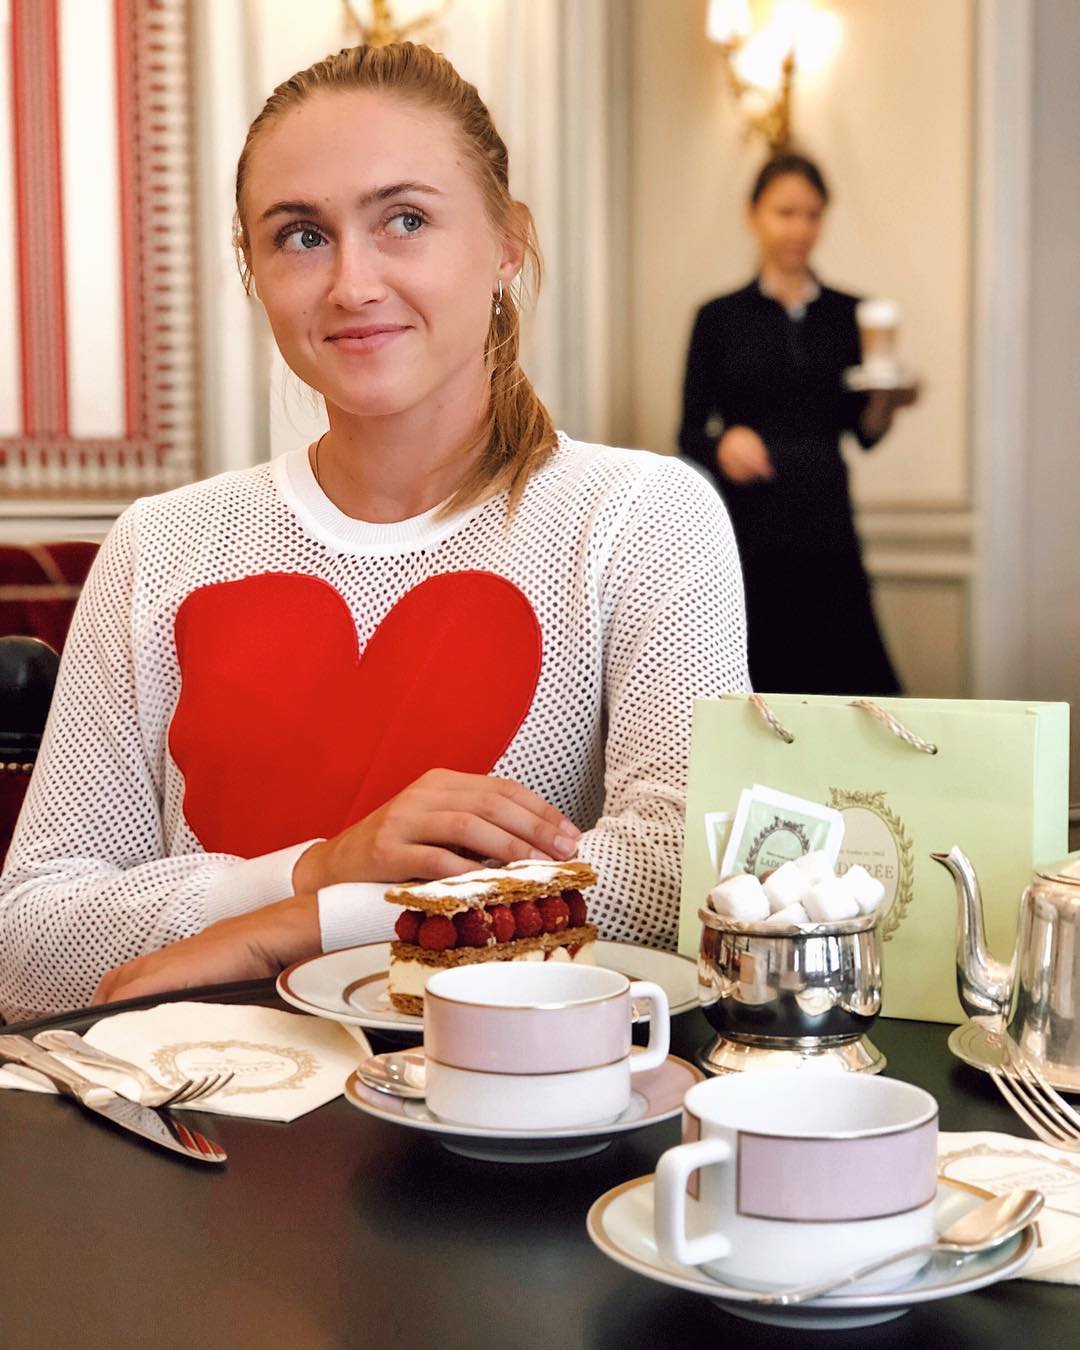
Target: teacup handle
<point>673,1173</point>
<point>659,1044</point>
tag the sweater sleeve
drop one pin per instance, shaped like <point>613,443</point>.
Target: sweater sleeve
<point>674,631</point>
<point>697,439</point>
<point>852,403</point>
<point>87,884</point>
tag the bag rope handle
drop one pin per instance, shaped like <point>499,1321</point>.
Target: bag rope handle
<point>897,727</point>
<point>771,718</point>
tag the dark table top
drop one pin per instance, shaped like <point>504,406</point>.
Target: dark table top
<point>343,1230</point>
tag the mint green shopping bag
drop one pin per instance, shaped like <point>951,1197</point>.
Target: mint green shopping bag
<point>996,784</point>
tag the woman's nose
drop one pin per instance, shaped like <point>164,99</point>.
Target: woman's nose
<point>356,279</point>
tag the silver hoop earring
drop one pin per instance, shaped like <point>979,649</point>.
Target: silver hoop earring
<point>498,299</point>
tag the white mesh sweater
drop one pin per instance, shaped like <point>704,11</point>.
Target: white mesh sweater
<point>629,563</point>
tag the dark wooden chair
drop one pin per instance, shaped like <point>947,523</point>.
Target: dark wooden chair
<point>28,669</point>
<point>39,585</point>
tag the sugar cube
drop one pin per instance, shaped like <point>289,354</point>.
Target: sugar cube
<point>794,914</point>
<point>740,897</point>
<point>815,867</point>
<point>784,887</point>
<point>830,901</point>
<point>865,890</point>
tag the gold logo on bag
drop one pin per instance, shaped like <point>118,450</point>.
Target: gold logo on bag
<point>875,838</point>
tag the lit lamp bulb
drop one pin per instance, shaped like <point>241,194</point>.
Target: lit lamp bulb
<point>727,21</point>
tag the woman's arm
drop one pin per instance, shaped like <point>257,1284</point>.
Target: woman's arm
<point>88,883</point>
<point>412,835</point>
<point>877,415</point>
<point>253,946</point>
<point>701,417</point>
<point>674,631</point>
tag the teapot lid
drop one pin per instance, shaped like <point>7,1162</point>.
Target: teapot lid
<point>1065,871</point>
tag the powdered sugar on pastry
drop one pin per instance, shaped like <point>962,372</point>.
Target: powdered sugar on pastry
<point>493,885</point>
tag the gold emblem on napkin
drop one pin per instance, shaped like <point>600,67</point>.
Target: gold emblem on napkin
<point>257,1068</point>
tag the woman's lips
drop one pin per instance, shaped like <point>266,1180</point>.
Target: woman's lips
<point>371,338</point>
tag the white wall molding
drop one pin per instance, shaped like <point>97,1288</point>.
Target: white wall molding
<point>905,565</point>
<point>1001,289</point>
<point>890,523</point>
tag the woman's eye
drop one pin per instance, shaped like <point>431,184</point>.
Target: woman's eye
<point>405,223</point>
<point>301,239</point>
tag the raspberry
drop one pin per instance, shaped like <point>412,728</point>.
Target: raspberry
<point>473,928</point>
<point>408,925</point>
<point>437,933</point>
<point>502,923</point>
<point>527,919</point>
<point>575,903</point>
<point>554,912</point>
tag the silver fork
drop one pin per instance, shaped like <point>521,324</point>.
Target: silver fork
<point>152,1093</point>
<point>1038,1104</point>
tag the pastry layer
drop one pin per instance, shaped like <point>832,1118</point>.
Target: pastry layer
<point>493,886</point>
<point>411,966</point>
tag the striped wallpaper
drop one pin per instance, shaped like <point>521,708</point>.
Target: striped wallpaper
<point>98,393</point>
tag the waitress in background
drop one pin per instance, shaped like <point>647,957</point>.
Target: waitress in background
<point>764,405</point>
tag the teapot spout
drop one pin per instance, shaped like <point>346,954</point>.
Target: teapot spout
<point>983,984</point>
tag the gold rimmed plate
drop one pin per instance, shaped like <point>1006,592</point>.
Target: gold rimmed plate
<point>657,1095</point>
<point>350,986</point>
<point>620,1223</point>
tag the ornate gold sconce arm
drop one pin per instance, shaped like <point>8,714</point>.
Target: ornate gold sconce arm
<point>774,122</point>
<point>382,30</point>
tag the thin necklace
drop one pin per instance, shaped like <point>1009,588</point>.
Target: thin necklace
<point>315,459</point>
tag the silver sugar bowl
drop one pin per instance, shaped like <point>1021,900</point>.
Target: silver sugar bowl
<point>788,996</point>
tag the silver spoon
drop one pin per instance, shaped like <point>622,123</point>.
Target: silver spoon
<point>980,1228</point>
<point>400,1073</point>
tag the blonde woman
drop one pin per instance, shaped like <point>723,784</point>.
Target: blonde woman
<point>444,632</point>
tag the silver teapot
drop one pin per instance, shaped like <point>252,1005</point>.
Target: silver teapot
<point>1038,992</point>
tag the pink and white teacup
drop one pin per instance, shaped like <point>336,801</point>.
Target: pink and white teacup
<point>789,1177</point>
<point>521,1046</point>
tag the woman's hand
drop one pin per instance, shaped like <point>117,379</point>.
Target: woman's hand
<point>251,946</point>
<point>438,827</point>
<point>881,407</point>
<point>743,457</point>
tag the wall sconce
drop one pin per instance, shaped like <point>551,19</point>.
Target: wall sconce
<point>762,45</point>
<point>384,29</point>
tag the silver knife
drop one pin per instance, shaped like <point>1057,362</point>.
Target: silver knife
<point>104,1102</point>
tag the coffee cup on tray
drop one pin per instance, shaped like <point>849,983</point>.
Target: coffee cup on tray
<point>523,1046</point>
<point>879,329</point>
<point>787,1177</point>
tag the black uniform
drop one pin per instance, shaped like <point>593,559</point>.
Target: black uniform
<point>810,620</point>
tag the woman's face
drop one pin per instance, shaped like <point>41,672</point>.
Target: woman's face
<point>786,219</point>
<point>372,252</point>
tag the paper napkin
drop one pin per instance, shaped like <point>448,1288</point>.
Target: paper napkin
<point>1002,1162</point>
<point>284,1064</point>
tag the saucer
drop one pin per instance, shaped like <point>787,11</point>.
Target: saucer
<point>620,1223</point>
<point>350,986</point>
<point>656,1095</point>
<point>975,1043</point>
<point>865,381</point>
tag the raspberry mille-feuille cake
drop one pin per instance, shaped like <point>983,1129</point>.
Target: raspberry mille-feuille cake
<point>526,911</point>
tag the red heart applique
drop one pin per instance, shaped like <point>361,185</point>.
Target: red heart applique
<point>284,732</point>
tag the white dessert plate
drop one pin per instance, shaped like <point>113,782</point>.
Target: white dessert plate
<point>976,1044</point>
<point>620,1223</point>
<point>657,1095</point>
<point>350,986</point>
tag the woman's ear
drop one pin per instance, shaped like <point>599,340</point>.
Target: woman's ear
<point>512,249</point>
